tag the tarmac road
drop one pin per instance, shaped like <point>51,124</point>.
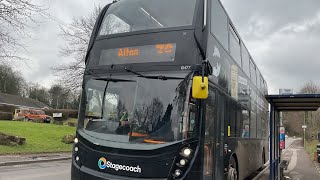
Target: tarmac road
<point>58,170</point>
<point>50,170</point>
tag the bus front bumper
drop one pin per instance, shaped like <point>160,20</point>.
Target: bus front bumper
<point>85,173</point>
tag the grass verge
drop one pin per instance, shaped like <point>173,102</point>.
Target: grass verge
<point>73,120</point>
<point>311,147</point>
<point>41,137</point>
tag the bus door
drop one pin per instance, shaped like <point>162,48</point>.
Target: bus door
<point>209,140</point>
<point>219,136</point>
<point>213,143</point>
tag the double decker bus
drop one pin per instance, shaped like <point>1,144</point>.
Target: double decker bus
<point>169,92</point>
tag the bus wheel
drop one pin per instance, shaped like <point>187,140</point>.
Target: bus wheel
<point>232,172</point>
<point>26,119</point>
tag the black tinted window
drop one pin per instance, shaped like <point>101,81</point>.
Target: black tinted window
<point>136,15</point>
<point>234,46</point>
<point>219,23</point>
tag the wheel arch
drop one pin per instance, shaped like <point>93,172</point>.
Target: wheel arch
<point>236,159</point>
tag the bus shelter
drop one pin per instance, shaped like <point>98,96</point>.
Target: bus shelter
<point>278,103</point>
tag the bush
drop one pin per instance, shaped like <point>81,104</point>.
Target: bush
<point>7,108</point>
<point>9,140</point>
<point>68,139</point>
<point>72,124</point>
<point>6,116</point>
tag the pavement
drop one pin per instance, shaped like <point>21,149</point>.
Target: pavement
<point>300,166</point>
<point>7,160</point>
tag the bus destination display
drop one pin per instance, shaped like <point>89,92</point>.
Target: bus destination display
<point>139,54</point>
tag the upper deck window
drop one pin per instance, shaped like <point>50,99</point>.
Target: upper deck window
<point>235,46</point>
<point>245,60</point>
<point>253,75</point>
<point>136,15</point>
<point>219,23</point>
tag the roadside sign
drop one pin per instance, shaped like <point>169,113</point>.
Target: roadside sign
<point>282,130</point>
<point>57,115</point>
<point>304,126</point>
<point>282,137</point>
<point>285,91</point>
<point>282,145</point>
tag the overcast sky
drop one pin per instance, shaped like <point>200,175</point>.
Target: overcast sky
<point>283,38</point>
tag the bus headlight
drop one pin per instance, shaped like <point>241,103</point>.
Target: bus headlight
<point>77,158</point>
<point>183,162</point>
<point>76,140</point>
<point>186,152</point>
<point>76,149</point>
<point>177,172</point>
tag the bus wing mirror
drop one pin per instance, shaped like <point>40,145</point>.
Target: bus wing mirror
<point>199,87</point>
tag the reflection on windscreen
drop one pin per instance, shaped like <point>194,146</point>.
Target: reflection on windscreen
<point>147,111</point>
<point>136,15</point>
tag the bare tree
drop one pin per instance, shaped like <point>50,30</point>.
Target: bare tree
<point>310,88</point>
<point>39,93</point>
<point>15,17</point>
<point>11,82</point>
<point>294,120</point>
<point>77,35</point>
<point>311,118</point>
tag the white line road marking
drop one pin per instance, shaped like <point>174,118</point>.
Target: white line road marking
<point>294,160</point>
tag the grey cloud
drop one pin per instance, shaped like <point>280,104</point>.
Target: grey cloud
<point>283,38</point>
<point>43,48</point>
<point>269,15</point>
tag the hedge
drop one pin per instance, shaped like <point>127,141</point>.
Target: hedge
<point>6,116</point>
<point>7,108</point>
<point>66,113</point>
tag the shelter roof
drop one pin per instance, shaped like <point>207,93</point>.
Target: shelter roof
<point>295,102</point>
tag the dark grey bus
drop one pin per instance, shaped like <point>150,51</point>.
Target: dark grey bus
<point>169,92</point>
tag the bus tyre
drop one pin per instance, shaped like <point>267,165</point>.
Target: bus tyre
<point>232,171</point>
<point>26,119</point>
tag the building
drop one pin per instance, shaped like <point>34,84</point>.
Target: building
<point>21,102</point>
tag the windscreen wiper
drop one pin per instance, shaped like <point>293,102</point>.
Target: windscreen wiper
<point>161,77</point>
<point>97,77</point>
<point>113,79</point>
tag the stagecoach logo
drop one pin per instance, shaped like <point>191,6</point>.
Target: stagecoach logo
<point>103,163</point>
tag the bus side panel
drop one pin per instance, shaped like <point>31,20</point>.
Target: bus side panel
<point>249,154</point>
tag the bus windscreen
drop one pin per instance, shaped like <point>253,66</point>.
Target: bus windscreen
<point>139,54</point>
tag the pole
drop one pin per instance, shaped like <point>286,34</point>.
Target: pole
<point>271,177</point>
<point>304,130</point>
<point>304,137</point>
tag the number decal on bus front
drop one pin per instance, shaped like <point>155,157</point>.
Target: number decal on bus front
<point>185,67</point>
